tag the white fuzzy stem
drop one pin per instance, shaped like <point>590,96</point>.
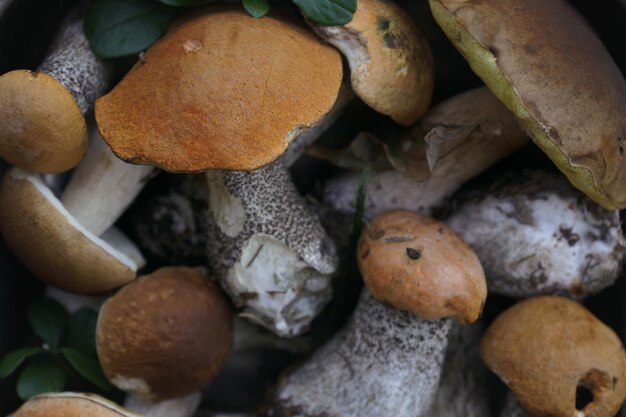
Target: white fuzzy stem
<point>536,234</point>
<point>71,61</point>
<point>385,362</point>
<point>103,186</point>
<point>177,407</point>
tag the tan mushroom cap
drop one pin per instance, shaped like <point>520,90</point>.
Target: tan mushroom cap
<point>41,127</point>
<point>221,90</point>
<point>165,335</point>
<point>545,347</point>
<point>419,264</point>
<point>50,242</point>
<point>391,64</point>
<point>549,68</point>
<point>71,404</point>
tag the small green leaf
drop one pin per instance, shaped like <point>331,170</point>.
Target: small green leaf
<point>256,8</point>
<point>47,318</point>
<point>328,12</point>
<point>38,378</point>
<point>185,3</point>
<point>87,366</point>
<point>13,359</point>
<point>80,332</point>
<point>117,28</point>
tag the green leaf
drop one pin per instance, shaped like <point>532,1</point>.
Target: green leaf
<point>117,28</point>
<point>38,378</point>
<point>87,366</point>
<point>328,12</point>
<point>13,359</point>
<point>47,318</point>
<point>185,3</point>
<point>80,332</point>
<point>256,8</point>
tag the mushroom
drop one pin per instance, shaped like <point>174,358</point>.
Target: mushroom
<point>550,351</point>
<point>42,124</point>
<point>289,87</point>
<point>388,358</point>
<point>71,404</point>
<point>548,67</point>
<point>165,335</point>
<point>536,234</point>
<point>53,245</point>
<point>456,140</point>
<point>390,61</point>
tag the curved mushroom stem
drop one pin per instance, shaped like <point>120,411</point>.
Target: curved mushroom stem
<point>536,234</point>
<point>73,64</point>
<point>462,390</point>
<point>103,186</point>
<point>385,362</point>
<point>178,407</point>
<point>512,407</point>
<point>267,248</point>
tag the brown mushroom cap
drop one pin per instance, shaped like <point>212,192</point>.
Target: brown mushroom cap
<point>419,264</point>
<point>41,127</point>
<point>222,90</point>
<point>71,404</point>
<point>166,334</point>
<point>391,62</point>
<point>51,243</point>
<point>545,348</point>
<point>548,67</point>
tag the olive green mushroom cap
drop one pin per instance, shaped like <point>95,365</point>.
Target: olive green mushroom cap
<point>549,68</point>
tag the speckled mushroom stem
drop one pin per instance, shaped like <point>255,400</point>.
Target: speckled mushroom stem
<point>536,234</point>
<point>462,390</point>
<point>385,362</point>
<point>103,186</point>
<point>512,407</point>
<point>268,248</point>
<point>73,64</point>
<point>178,407</point>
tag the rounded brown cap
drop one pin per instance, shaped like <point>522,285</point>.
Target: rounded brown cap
<point>419,264</point>
<point>41,127</point>
<point>548,350</point>
<point>222,90</point>
<point>548,67</point>
<point>165,335</point>
<point>71,404</point>
<point>390,60</point>
<point>50,242</point>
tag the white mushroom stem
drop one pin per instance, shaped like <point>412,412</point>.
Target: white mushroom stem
<point>536,234</point>
<point>103,186</point>
<point>462,390</point>
<point>456,140</point>
<point>268,248</point>
<point>73,64</point>
<point>512,407</point>
<point>178,407</point>
<point>385,362</point>
<point>73,302</point>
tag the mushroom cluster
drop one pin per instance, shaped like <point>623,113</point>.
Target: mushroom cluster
<point>276,258</point>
